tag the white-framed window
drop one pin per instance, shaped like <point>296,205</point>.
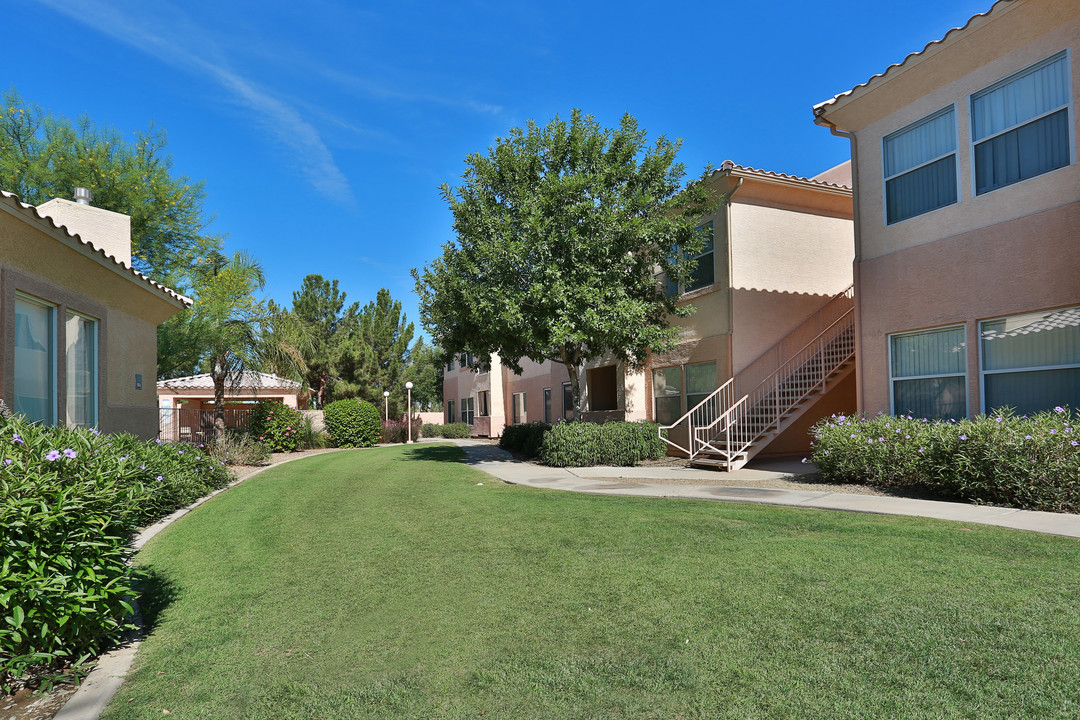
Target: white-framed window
<point>1031,362</point>
<point>919,166</point>
<point>704,273</point>
<point>35,359</point>
<point>81,363</point>
<point>468,408</point>
<point>680,388</point>
<point>928,373</point>
<point>1020,126</point>
<point>519,414</point>
<point>567,401</point>
<point>547,405</point>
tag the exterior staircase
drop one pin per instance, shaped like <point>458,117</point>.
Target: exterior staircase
<point>741,417</point>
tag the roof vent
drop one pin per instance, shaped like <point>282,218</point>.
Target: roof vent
<point>83,195</point>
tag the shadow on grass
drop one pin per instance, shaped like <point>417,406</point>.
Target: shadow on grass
<point>473,454</point>
<point>434,453</point>
<point>156,593</point>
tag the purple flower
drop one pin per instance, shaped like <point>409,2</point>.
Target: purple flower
<point>1068,429</point>
<point>52,455</point>
<point>826,452</point>
<point>70,454</point>
<point>94,431</point>
<point>906,437</point>
<point>18,439</point>
<point>142,467</point>
<point>997,420</point>
<point>804,461</point>
<point>921,449</point>
<point>870,441</point>
<point>1073,443</point>
<point>880,439</point>
<point>159,478</point>
<point>1027,437</point>
<point>158,441</point>
<point>963,437</point>
<point>1059,409</point>
<point>1053,431</point>
<point>852,434</point>
<point>7,461</point>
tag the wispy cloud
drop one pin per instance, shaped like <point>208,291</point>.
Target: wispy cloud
<point>189,48</point>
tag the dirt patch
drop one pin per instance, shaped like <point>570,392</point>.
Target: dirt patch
<point>27,704</point>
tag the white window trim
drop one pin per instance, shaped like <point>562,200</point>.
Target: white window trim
<point>54,353</point>
<point>885,179</point>
<point>1004,81</point>
<point>892,379</point>
<point>983,373</point>
<point>94,361</point>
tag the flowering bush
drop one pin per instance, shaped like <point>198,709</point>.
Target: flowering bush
<point>396,431</point>
<point>70,501</point>
<point>277,425</point>
<point>1001,458</point>
<point>352,423</point>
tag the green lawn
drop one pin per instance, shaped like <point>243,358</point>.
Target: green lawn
<point>388,583</point>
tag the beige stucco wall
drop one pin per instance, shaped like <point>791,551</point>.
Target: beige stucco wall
<point>104,229</point>
<point>1014,41</point>
<point>976,276</point>
<point>34,263</point>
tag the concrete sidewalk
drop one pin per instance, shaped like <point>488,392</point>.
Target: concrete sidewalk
<point>635,482</point>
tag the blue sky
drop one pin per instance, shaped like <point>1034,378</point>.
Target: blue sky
<point>323,128</point>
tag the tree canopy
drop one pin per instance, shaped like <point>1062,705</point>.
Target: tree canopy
<point>560,233</point>
<point>334,327</point>
<point>43,156</point>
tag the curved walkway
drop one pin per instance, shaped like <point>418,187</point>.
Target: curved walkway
<point>635,482</point>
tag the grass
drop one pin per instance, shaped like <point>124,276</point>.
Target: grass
<point>388,583</point>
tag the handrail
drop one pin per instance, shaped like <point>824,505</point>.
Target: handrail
<point>770,369</point>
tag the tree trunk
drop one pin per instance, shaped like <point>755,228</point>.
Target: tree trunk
<point>571,359</point>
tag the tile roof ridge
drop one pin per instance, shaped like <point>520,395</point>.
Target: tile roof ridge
<point>728,166</point>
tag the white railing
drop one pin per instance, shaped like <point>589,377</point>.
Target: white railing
<point>755,401</point>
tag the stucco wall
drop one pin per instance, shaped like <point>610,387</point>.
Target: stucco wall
<point>1005,50</point>
<point>1025,265</point>
<point>106,230</point>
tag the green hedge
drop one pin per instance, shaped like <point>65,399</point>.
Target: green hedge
<point>451,430</point>
<point>278,425</point>
<point>581,444</point>
<point>70,501</point>
<point>1002,459</point>
<point>524,438</point>
<point>352,423</point>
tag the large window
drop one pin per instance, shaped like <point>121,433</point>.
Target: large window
<point>519,415</point>
<point>35,360</point>
<point>483,403</point>
<point>468,410</point>
<point>680,388</point>
<point>1020,126</point>
<point>919,163</point>
<point>450,417</point>
<point>81,370</point>
<point>567,402</point>
<point>1032,362</point>
<point>704,273</point>
<point>929,373</point>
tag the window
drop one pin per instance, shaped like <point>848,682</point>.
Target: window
<point>567,402</point>
<point>519,409</point>
<point>81,370</point>
<point>704,273</point>
<point>35,360</point>
<point>669,400</point>
<point>1020,126</point>
<point>467,410</point>
<point>450,364</point>
<point>450,411</point>
<point>483,409</point>
<point>1031,362</point>
<point>547,405</point>
<point>919,164</point>
<point>928,372</point>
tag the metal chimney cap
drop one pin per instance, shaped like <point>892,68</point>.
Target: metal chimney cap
<point>83,195</point>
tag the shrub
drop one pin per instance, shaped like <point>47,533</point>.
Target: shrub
<point>396,431</point>
<point>239,447</point>
<point>580,444</point>
<point>430,430</point>
<point>456,430</point>
<point>310,437</point>
<point>278,425</point>
<point>524,438</point>
<point>1002,459</point>
<point>352,423</point>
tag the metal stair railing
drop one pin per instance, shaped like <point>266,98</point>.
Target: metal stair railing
<point>721,418</point>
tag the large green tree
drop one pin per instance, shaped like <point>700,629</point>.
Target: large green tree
<point>43,155</point>
<point>560,233</point>
<point>425,372</point>
<point>320,306</point>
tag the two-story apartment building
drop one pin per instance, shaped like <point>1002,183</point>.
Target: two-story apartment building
<point>967,217</point>
<point>780,250</point>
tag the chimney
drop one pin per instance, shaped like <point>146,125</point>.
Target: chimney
<point>104,229</point>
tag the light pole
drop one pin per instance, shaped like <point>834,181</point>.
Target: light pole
<point>408,410</point>
<point>386,404</point>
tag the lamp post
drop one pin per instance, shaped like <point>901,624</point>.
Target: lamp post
<point>386,404</point>
<point>408,410</point>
